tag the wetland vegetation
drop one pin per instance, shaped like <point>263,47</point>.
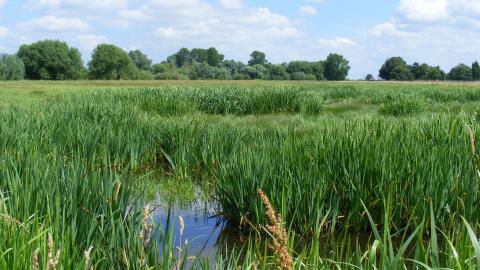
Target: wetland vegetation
<point>360,175</point>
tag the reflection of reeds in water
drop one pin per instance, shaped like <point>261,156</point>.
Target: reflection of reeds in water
<point>278,233</point>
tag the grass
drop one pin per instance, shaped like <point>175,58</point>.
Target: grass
<point>395,162</point>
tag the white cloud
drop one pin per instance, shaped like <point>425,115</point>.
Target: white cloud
<point>338,42</point>
<point>390,29</point>
<point>134,15</point>
<point>55,24</point>
<point>88,42</point>
<point>430,31</point>
<point>424,10</point>
<point>308,10</point>
<point>2,2</point>
<point>78,4</point>
<point>168,33</point>
<point>231,4</point>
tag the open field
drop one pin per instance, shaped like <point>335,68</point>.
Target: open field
<point>364,175</point>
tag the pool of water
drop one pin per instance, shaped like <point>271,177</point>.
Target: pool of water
<point>205,231</point>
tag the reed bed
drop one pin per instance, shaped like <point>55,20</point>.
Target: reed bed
<point>406,175</point>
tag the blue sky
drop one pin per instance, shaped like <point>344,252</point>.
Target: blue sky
<point>439,32</point>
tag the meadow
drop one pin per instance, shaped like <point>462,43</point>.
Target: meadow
<point>362,175</point>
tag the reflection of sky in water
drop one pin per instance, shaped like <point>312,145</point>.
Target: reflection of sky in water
<point>203,229</point>
<point>200,231</point>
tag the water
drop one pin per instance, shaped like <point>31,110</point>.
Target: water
<point>205,231</point>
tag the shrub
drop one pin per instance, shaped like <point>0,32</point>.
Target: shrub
<point>171,75</point>
<point>298,76</point>
<point>144,75</point>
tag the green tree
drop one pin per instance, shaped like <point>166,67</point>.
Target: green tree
<point>257,58</point>
<point>111,63</point>
<point>298,76</point>
<point>255,72</point>
<point>336,67</point>
<point>235,68</point>
<point>51,60</point>
<point>162,67</point>
<point>389,65</point>
<point>181,58</point>
<point>214,58</point>
<point>435,74</point>
<point>199,55</point>
<point>476,71</point>
<point>277,72</point>
<point>369,77</point>
<point>308,68</point>
<point>140,60</point>
<point>422,72</point>
<point>401,73</point>
<point>11,68</point>
<point>461,72</point>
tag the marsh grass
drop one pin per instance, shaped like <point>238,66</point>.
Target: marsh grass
<point>401,106</point>
<point>66,167</point>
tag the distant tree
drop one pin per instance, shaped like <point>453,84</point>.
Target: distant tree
<point>476,71</point>
<point>235,68</point>
<point>277,72</point>
<point>308,68</point>
<point>181,58</point>
<point>199,55</point>
<point>414,69</point>
<point>422,72</point>
<point>11,68</point>
<point>298,76</point>
<point>257,58</point>
<point>318,69</point>
<point>336,67</point>
<point>222,73</point>
<point>435,74</point>
<point>145,75</point>
<point>51,60</point>
<point>460,72</point>
<point>255,72</point>
<point>401,73</point>
<point>369,77</point>
<point>140,60</point>
<point>111,63</point>
<point>161,67</point>
<point>390,65</point>
<point>214,58</point>
<point>204,71</point>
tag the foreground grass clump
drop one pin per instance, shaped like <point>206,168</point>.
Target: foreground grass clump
<point>401,106</point>
<point>67,166</point>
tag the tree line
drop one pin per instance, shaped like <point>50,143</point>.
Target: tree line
<point>56,60</point>
<point>397,69</point>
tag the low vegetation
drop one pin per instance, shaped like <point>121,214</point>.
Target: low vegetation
<point>342,176</point>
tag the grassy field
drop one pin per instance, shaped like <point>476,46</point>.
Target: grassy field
<point>387,172</point>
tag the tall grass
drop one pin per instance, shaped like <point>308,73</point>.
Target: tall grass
<point>65,168</point>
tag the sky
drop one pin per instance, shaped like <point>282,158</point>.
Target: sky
<point>366,32</point>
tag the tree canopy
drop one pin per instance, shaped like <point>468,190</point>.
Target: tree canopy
<point>336,67</point>
<point>111,63</point>
<point>460,72</point>
<point>140,60</point>
<point>394,63</point>
<point>51,60</point>
<point>11,68</point>
<point>257,58</point>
